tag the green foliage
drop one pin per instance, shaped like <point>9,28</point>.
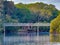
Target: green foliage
<point>55,24</point>
<point>41,10</point>
<point>55,29</point>
<point>28,13</point>
<point>11,29</point>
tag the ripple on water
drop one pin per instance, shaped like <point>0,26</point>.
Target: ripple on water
<point>28,40</point>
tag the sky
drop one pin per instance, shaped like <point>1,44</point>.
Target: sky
<point>54,2</point>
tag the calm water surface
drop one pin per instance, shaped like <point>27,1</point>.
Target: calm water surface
<point>28,39</point>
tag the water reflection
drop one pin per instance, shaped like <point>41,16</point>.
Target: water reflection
<point>1,39</point>
<point>26,39</point>
<point>29,40</point>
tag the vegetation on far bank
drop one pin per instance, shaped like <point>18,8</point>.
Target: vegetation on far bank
<point>28,13</point>
<point>55,29</point>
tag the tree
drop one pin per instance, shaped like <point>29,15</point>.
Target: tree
<point>55,29</point>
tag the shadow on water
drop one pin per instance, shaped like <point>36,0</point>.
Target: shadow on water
<point>1,39</point>
<point>26,33</point>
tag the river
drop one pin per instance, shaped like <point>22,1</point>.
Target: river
<point>28,40</point>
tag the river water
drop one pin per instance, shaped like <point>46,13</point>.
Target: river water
<point>29,39</point>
